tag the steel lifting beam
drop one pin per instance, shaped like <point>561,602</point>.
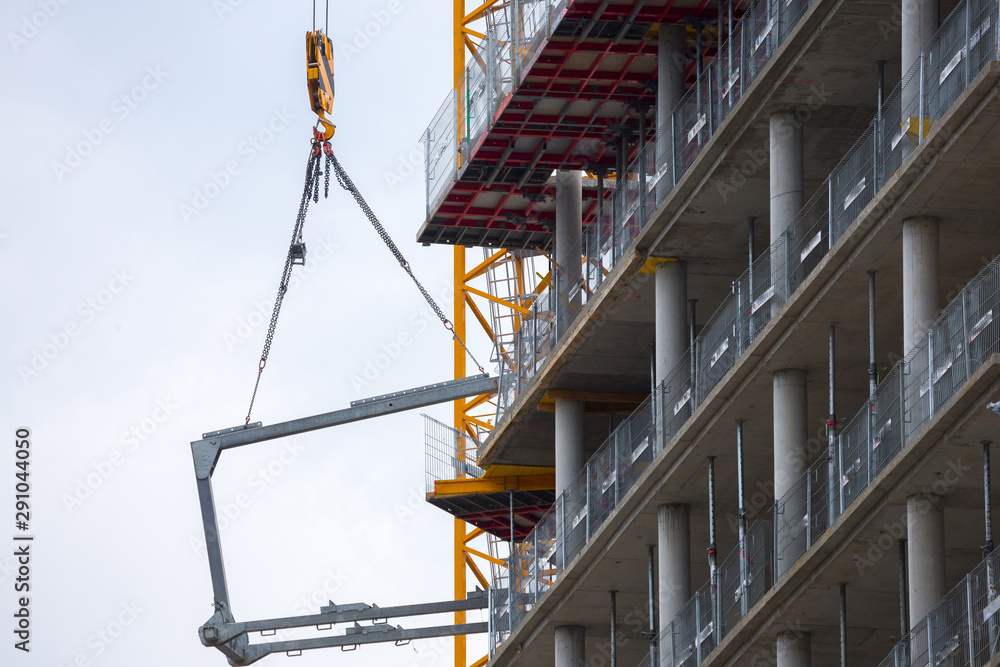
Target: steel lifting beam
<point>366,408</point>
<point>230,637</point>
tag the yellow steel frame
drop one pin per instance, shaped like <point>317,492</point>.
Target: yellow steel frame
<point>465,420</point>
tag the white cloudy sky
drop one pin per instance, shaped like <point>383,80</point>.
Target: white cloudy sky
<point>121,316</point>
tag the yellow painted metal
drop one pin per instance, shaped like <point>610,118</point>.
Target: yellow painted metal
<point>480,317</point>
<point>459,359</point>
<point>464,420</point>
<point>649,266</point>
<point>480,554</point>
<point>494,299</point>
<point>319,75</point>
<point>476,532</point>
<point>481,269</point>
<point>476,571</point>
<point>477,401</point>
<point>444,488</point>
<point>501,470</point>
<point>481,662</point>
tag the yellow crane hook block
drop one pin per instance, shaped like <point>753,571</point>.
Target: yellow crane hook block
<point>319,58</point>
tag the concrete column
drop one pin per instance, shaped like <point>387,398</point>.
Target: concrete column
<point>793,649</point>
<point>570,646</point>
<point>569,442</point>
<point>925,554</point>
<point>790,456</point>
<point>674,549</point>
<point>671,67</point>
<point>921,294</point>
<point>919,22</point>
<point>569,230</point>
<point>786,171</point>
<point>671,316</point>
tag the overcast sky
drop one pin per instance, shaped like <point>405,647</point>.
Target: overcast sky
<point>152,164</point>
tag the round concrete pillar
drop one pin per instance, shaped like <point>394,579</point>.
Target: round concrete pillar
<point>924,554</point>
<point>790,458</point>
<point>793,649</point>
<point>569,442</point>
<point>786,163</point>
<point>674,551</point>
<point>921,292</point>
<point>919,22</point>
<point>671,316</point>
<point>671,69</point>
<point>571,646</point>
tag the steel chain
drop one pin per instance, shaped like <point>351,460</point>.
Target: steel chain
<point>345,182</point>
<point>309,189</point>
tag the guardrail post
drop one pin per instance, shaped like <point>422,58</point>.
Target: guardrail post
<point>971,623</point>
<point>561,524</point>
<point>829,213</point>
<point>738,289</point>
<point>673,148</point>
<point>968,43</point>
<point>840,470</point>
<point>743,57</point>
<point>774,547</point>
<point>920,102</point>
<point>587,516</point>
<point>930,640</point>
<point>966,343</point>
<point>697,627</point>
<point>788,273</point>
<point>534,337</point>
<point>517,363</point>
<point>642,166</point>
<point>709,79</point>
<point>809,513</point>
<point>538,573</point>
<point>616,451</point>
<point>555,306</point>
<point>427,171</point>
<point>930,372</point>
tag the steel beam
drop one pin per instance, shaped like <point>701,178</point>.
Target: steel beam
<point>367,408</point>
<point>398,636</point>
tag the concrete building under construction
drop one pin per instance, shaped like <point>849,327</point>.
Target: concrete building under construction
<point>743,284</point>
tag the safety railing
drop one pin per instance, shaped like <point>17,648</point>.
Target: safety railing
<point>654,171</point>
<point>956,344</point>
<point>448,453</point>
<point>705,620</point>
<point>962,629</point>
